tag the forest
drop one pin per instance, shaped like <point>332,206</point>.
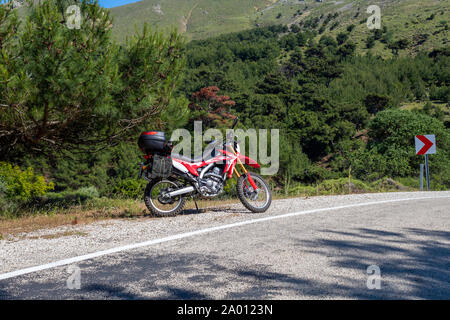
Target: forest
<point>73,103</point>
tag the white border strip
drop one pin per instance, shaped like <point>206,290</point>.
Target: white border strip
<point>191,234</point>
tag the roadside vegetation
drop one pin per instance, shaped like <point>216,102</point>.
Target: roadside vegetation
<point>338,112</point>
<point>81,207</point>
<point>72,103</point>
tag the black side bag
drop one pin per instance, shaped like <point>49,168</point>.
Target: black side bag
<point>161,166</point>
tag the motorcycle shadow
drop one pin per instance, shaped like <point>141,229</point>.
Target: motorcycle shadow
<point>224,209</point>
<point>215,210</point>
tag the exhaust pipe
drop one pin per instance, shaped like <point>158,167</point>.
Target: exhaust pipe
<point>180,191</point>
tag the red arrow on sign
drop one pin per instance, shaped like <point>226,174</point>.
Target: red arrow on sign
<point>427,144</point>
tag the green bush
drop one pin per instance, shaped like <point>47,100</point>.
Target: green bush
<point>302,190</point>
<point>390,151</point>
<point>367,164</point>
<point>2,188</point>
<point>316,173</point>
<point>440,93</point>
<point>5,204</point>
<point>22,185</point>
<point>129,188</point>
<point>87,193</point>
<point>230,188</point>
<point>343,186</point>
<point>346,186</point>
<point>65,198</point>
<point>332,186</point>
<point>72,196</point>
<point>388,184</point>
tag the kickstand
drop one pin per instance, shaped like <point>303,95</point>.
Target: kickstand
<point>196,206</point>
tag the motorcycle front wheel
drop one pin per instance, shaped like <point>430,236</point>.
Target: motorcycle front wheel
<point>254,200</point>
<point>158,204</point>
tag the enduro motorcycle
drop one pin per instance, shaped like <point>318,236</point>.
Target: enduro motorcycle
<point>172,177</point>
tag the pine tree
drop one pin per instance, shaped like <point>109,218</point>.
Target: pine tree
<point>72,88</point>
<point>10,77</point>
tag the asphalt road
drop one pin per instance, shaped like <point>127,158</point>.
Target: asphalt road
<point>324,255</point>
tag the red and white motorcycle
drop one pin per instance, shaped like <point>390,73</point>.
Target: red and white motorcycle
<point>173,177</point>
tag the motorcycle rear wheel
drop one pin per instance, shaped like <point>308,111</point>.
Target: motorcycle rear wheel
<point>248,196</point>
<point>159,206</point>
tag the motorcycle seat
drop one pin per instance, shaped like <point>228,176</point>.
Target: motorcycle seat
<point>188,159</point>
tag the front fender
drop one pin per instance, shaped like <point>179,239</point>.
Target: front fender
<point>249,161</point>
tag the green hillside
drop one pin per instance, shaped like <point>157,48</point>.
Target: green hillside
<point>196,18</point>
<point>424,24</point>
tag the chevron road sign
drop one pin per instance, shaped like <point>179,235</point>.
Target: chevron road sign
<point>425,144</point>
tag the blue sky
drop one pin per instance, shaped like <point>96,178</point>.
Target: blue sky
<point>108,3</point>
<point>115,3</point>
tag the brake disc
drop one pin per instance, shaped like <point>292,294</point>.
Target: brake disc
<point>252,195</point>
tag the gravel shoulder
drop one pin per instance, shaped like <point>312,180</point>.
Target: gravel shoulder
<point>45,246</point>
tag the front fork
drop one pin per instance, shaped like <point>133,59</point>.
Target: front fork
<point>250,179</point>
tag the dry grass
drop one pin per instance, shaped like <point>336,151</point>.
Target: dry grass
<point>102,209</point>
<point>59,235</point>
<point>107,209</point>
<point>38,222</point>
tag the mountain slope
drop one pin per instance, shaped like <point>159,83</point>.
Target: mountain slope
<point>424,23</point>
<point>197,18</point>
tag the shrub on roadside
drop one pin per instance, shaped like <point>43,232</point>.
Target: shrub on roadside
<point>65,198</point>
<point>5,204</point>
<point>346,186</point>
<point>388,184</point>
<point>87,193</point>
<point>332,186</point>
<point>129,188</point>
<point>22,185</point>
<point>229,190</point>
<point>343,186</point>
<point>302,190</point>
<point>390,149</point>
<point>2,189</point>
<point>315,173</point>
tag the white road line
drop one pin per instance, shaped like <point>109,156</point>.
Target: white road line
<point>194,233</point>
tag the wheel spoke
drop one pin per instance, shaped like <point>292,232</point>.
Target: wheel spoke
<point>159,198</point>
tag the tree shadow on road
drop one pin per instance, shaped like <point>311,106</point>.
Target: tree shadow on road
<point>415,264</point>
<point>159,276</point>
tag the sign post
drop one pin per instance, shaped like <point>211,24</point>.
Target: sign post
<point>421,177</point>
<point>425,145</point>
<point>427,172</point>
